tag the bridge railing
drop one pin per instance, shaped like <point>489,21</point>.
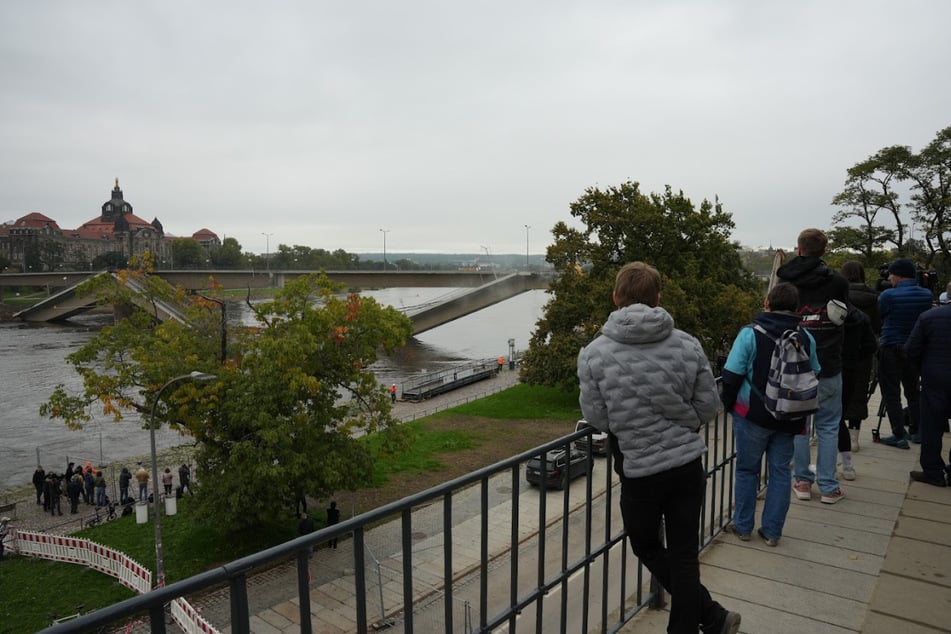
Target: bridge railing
<point>480,553</point>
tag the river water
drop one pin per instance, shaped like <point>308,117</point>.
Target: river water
<point>32,363</point>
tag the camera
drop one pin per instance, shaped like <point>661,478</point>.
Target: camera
<point>927,278</point>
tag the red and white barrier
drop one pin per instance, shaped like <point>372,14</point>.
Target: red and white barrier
<point>130,573</point>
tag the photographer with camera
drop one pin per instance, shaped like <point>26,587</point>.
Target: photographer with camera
<point>899,308</point>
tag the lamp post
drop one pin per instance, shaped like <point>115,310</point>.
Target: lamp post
<point>267,250</point>
<point>159,560</point>
<point>384,232</point>
<point>527,227</point>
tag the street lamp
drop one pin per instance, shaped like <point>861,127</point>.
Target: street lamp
<point>267,250</point>
<point>159,560</point>
<point>527,227</point>
<point>384,232</point>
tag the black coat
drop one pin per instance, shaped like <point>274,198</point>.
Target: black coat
<point>817,285</point>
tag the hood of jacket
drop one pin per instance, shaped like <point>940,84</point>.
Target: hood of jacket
<point>777,322</point>
<point>638,324</point>
<point>805,271</point>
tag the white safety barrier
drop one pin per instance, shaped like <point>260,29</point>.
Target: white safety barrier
<point>130,573</point>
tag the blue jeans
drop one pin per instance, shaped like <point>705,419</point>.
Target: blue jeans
<point>100,496</point>
<point>752,441</point>
<point>826,421</point>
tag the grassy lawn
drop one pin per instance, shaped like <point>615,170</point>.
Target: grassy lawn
<point>32,589</point>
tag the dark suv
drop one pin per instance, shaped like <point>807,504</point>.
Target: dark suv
<point>599,439</point>
<point>561,467</point>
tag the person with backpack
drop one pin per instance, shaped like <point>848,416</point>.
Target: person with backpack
<point>772,352</point>
<point>818,286</point>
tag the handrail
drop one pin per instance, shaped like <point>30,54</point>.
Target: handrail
<point>606,550</point>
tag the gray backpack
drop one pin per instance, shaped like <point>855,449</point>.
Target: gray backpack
<point>792,387</point>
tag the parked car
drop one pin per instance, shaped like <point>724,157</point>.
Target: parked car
<point>599,439</point>
<point>561,466</point>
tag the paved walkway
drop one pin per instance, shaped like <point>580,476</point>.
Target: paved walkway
<point>877,562</point>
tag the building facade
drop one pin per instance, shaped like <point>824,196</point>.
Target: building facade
<point>36,242</point>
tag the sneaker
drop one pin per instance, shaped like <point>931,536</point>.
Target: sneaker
<point>802,489</point>
<point>768,540</point>
<point>848,473</point>
<point>833,496</point>
<point>929,478</point>
<point>915,438</point>
<point>731,623</point>
<point>743,537</point>
<point>894,441</point>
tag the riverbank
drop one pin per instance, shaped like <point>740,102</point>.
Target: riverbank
<point>30,516</point>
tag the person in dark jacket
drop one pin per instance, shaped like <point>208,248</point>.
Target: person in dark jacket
<point>185,479</point>
<point>756,431</point>
<point>39,477</point>
<point>818,285</point>
<point>125,478</point>
<point>856,371</point>
<point>89,491</point>
<point>900,307</point>
<point>929,345</point>
<point>861,295</point>
<point>56,491</point>
<point>74,490</point>
<point>858,351</point>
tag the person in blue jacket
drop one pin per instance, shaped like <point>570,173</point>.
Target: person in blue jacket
<point>900,307</point>
<point>756,431</point>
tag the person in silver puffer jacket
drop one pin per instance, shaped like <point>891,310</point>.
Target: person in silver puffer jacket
<point>651,387</point>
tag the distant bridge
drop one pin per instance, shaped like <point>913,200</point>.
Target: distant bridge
<point>487,289</point>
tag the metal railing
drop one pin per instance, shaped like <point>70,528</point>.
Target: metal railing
<point>484,552</point>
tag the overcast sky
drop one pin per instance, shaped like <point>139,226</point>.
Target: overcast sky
<point>453,125</point>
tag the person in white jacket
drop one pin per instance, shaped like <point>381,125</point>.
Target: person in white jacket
<point>650,386</point>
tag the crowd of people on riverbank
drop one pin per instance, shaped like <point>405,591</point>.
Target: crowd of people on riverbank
<point>88,484</point>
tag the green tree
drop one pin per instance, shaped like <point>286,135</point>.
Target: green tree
<point>706,288</point>
<point>929,173</point>
<point>283,416</point>
<point>869,190</point>
<point>228,255</point>
<point>111,260</point>
<point>187,253</point>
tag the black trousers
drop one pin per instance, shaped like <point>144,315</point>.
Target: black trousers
<point>674,496</point>
<point>935,411</point>
<point>896,373</point>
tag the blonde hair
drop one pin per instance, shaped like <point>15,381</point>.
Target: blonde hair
<point>637,283</point>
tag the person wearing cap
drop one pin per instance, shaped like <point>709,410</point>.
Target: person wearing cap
<point>929,344</point>
<point>899,308</point>
<point>819,287</point>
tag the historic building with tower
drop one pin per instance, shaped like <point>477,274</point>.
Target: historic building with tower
<point>35,242</point>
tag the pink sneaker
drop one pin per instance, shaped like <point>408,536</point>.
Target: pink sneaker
<point>833,496</point>
<point>802,489</point>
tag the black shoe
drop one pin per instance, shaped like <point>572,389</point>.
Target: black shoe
<point>929,478</point>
